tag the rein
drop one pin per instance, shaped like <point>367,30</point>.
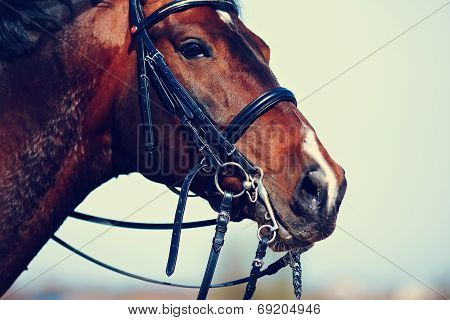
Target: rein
<point>218,151</point>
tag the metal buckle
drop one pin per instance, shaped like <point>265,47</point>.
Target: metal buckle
<point>208,168</point>
<point>258,263</point>
<point>224,214</point>
<point>230,153</point>
<point>152,57</point>
<point>144,76</point>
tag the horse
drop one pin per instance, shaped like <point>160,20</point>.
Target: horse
<point>70,121</point>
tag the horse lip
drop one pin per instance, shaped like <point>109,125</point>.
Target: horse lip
<point>290,240</point>
<point>284,233</point>
<point>287,241</point>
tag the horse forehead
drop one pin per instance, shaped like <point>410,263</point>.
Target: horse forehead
<point>203,15</point>
<point>225,17</point>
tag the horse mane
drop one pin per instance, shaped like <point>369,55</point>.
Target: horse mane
<point>23,22</point>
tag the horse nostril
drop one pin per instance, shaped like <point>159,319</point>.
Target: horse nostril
<point>311,193</point>
<point>309,185</point>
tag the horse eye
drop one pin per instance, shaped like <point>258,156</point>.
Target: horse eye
<point>193,50</point>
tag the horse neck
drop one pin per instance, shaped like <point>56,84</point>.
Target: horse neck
<point>55,144</point>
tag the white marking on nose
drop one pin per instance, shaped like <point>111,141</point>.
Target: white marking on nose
<point>225,17</point>
<point>311,147</point>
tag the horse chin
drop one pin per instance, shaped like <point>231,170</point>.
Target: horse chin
<point>284,240</point>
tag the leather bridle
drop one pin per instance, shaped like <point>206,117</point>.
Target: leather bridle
<point>217,148</point>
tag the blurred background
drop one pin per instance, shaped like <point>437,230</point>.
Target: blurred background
<point>373,78</point>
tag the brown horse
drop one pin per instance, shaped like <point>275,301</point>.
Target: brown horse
<point>70,121</point>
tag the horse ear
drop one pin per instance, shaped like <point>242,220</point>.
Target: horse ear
<point>266,52</point>
<point>262,46</point>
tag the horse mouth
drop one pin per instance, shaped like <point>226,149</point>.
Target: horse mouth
<point>284,240</point>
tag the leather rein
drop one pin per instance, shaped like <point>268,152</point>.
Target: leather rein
<point>219,155</point>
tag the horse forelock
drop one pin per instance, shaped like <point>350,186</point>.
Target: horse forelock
<point>24,22</point>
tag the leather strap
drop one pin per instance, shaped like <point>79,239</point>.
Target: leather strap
<point>178,221</point>
<point>140,225</point>
<point>256,109</point>
<point>256,269</point>
<point>270,270</point>
<point>217,244</point>
<point>179,101</point>
<point>177,192</point>
<point>181,5</point>
<point>144,98</point>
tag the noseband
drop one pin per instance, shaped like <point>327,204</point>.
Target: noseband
<point>217,148</point>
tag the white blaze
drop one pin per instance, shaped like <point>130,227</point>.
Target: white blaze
<point>311,147</point>
<point>225,17</point>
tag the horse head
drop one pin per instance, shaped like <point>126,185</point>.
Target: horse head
<point>225,66</point>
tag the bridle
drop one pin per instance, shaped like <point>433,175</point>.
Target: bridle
<point>217,149</point>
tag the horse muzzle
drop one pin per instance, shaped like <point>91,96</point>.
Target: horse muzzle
<point>316,203</point>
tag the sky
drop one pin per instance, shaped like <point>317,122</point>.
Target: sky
<point>373,79</point>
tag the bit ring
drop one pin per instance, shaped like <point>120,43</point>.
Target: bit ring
<point>267,226</point>
<point>237,165</point>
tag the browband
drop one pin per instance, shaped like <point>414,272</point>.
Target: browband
<point>181,5</point>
